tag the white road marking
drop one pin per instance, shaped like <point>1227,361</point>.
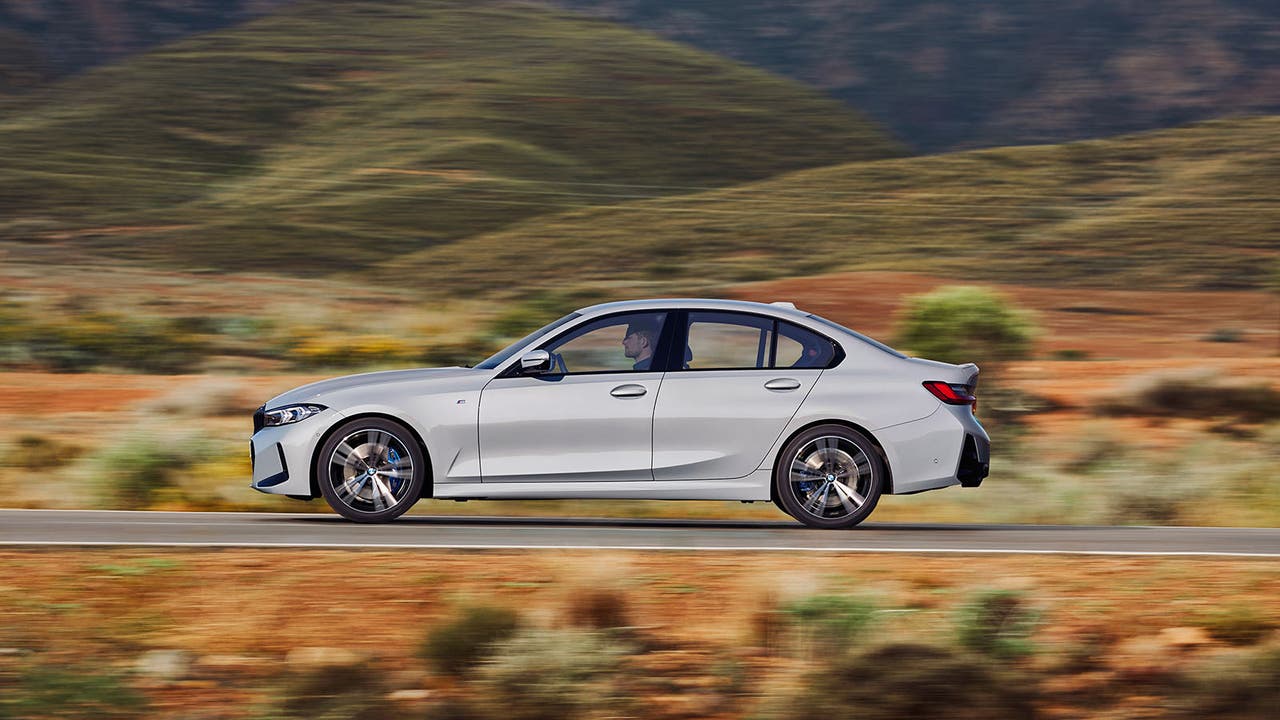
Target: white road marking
<point>667,548</point>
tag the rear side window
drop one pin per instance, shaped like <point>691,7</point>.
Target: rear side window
<point>801,348</point>
<point>740,341</point>
<point>728,341</point>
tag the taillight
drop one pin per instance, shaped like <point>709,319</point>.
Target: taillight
<point>951,393</point>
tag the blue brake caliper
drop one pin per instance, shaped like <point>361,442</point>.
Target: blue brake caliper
<point>395,480</point>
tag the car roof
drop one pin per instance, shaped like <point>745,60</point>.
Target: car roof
<point>779,310</point>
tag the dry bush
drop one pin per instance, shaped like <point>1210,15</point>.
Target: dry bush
<point>553,675</point>
<point>203,397</point>
<point>1239,689</point>
<point>599,609</point>
<point>998,624</point>
<point>456,647</point>
<point>1199,394</point>
<point>1237,625</point>
<point>911,681</point>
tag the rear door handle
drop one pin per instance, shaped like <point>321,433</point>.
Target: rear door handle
<point>782,384</point>
<point>628,390</point>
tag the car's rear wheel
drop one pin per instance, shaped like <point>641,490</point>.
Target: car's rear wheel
<point>371,470</point>
<point>829,476</point>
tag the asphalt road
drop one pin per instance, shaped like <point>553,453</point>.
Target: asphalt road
<point>182,529</point>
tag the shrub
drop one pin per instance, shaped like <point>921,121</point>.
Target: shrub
<point>1244,689</point>
<point>546,675</point>
<point>133,473</point>
<point>1237,625</point>
<point>104,339</point>
<point>40,691</point>
<point>910,681</point>
<point>828,623</point>
<point>317,350</point>
<point>599,609</point>
<point>960,324</point>
<point>329,693</point>
<point>458,646</point>
<point>37,452</point>
<point>1225,335</point>
<point>1199,394</point>
<point>998,624</point>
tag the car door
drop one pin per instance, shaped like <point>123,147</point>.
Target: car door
<point>743,378</point>
<point>590,417</point>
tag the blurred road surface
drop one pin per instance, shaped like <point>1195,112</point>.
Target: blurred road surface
<point>93,527</point>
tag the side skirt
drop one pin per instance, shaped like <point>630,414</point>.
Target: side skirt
<point>752,487</point>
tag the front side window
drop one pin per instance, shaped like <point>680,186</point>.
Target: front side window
<point>619,343</point>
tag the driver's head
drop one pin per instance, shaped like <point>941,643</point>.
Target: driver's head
<point>639,340</point>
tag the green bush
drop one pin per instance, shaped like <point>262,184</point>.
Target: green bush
<point>133,474</point>
<point>1237,625</point>
<point>998,624</point>
<point>910,681</point>
<point>960,324</point>
<point>458,646</point>
<point>93,340</point>
<point>41,691</point>
<point>826,624</point>
<point>552,675</point>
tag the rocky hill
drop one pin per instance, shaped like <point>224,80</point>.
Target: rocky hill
<point>947,74</point>
<point>330,135</point>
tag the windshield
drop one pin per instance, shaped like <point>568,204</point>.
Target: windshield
<point>505,354</point>
<point>870,341</point>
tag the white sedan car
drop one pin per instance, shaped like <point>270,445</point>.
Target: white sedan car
<point>652,399</point>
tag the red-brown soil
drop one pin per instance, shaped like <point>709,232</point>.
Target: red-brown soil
<point>1106,324</point>
<point>240,612</point>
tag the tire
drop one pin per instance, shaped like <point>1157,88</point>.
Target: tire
<point>829,477</point>
<point>371,470</point>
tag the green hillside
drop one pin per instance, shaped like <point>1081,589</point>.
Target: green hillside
<point>333,135</point>
<point>1194,207</point>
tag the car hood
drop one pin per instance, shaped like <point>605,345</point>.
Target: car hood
<point>317,391</point>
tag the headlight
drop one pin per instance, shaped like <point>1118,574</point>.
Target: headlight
<point>290,414</point>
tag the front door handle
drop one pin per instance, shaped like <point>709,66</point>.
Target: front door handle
<point>782,384</point>
<point>628,390</point>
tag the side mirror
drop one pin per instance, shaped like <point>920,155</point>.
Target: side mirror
<point>535,362</point>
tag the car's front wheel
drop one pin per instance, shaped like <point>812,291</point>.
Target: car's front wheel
<point>829,476</point>
<point>371,470</point>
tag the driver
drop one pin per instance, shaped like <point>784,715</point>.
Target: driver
<point>639,342</point>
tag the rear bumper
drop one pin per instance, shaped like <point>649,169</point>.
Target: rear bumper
<point>949,447</point>
<point>975,460</point>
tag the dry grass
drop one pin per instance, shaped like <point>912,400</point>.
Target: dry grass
<point>695,615</point>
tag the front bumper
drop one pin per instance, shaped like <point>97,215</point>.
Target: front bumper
<point>282,455</point>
